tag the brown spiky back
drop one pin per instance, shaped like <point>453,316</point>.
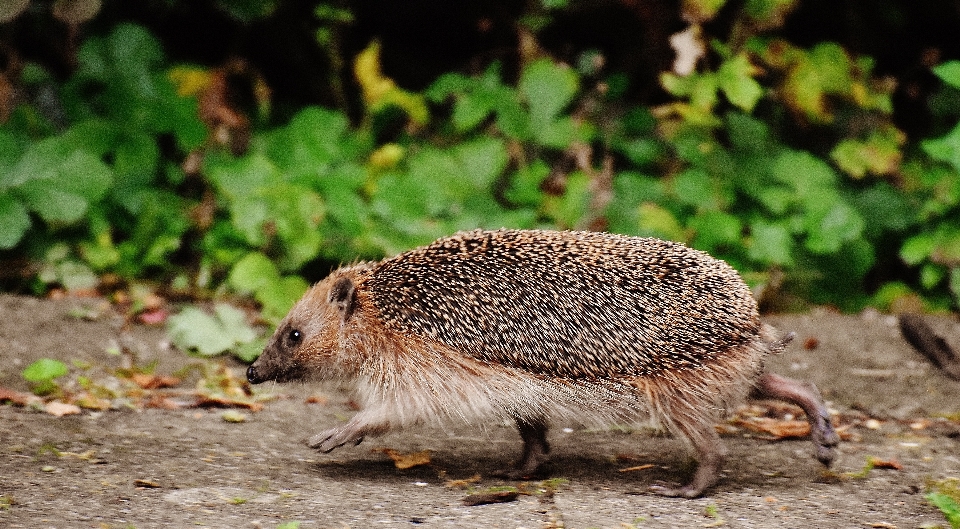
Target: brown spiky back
<point>568,304</point>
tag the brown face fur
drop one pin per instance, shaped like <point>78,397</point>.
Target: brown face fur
<point>307,341</point>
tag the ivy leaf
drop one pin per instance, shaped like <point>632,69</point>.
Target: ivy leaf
<point>277,297</point>
<point>547,89</point>
<point>949,72</point>
<point>695,187</point>
<point>252,273</point>
<point>770,243</point>
<point>810,177</point>
<point>945,148</point>
<point>14,222</point>
<point>657,221</point>
<point>715,228</point>
<point>735,78</point>
<point>209,335</point>
<point>44,370</point>
<point>828,232</point>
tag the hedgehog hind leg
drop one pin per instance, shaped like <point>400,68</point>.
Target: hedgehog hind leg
<point>807,396</point>
<point>532,463</point>
<point>709,453</point>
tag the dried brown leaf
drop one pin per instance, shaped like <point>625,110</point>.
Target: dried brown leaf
<point>404,461</point>
<point>17,397</point>
<point>778,429</point>
<point>485,498</point>
<point>59,409</point>
<point>147,381</point>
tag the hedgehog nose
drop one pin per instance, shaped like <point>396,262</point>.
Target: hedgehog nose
<point>252,376</point>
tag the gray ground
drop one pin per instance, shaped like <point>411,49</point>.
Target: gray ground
<point>259,473</point>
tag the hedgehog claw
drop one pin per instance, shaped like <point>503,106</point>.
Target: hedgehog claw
<point>672,491</point>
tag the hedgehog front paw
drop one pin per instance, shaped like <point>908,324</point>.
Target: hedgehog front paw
<point>335,438</point>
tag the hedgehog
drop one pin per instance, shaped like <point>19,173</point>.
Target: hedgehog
<point>537,326</point>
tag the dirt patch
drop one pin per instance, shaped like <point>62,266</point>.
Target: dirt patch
<point>188,467</point>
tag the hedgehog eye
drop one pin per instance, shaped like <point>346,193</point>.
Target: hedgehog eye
<point>294,337</point>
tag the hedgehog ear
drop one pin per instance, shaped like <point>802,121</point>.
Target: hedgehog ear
<point>343,294</point>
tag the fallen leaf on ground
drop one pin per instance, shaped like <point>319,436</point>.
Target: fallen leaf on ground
<point>164,402</point>
<point>59,409</point>
<point>86,456</point>
<point>636,468</point>
<point>404,461</point>
<point>17,397</point>
<point>91,402</point>
<point>153,317</point>
<point>462,483</point>
<point>217,401</point>
<point>233,416</point>
<point>485,498</point>
<point>146,484</point>
<point>146,381</point>
<point>779,429</point>
<point>886,463</point>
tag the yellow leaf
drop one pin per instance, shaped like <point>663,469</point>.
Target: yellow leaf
<point>366,68</point>
<point>189,80</point>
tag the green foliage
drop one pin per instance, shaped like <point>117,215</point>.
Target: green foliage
<point>210,335</point>
<point>780,159</point>
<point>42,374</point>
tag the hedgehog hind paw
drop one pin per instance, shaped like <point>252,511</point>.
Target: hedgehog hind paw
<point>673,491</point>
<point>825,440</point>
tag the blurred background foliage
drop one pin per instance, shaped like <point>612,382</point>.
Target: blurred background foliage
<point>209,148</point>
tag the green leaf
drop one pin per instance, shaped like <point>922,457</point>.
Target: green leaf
<point>949,72</point>
<point>277,297</point>
<point>657,221</point>
<point>557,134</point>
<point>695,188</point>
<point>62,190</point>
<point>931,275</point>
<point>14,222</point>
<point>748,133</point>
<point>917,248</point>
<point>548,89</point>
<point>828,232</point>
<point>469,111</point>
<point>945,148</point>
<point>44,370</point>
<point>770,243</point>
<point>947,505</point>
<point>525,183</point>
<point>735,78</point>
<point>716,228</point>
<point>483,160</point>
<point>195,330</point>
<point>642,151</point>
<point>567,210</point>
<point>252,273</point>
<point>808,175</point>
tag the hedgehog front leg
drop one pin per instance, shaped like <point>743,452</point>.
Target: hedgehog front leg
<point>352,432</point>
<point>805,395</point>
